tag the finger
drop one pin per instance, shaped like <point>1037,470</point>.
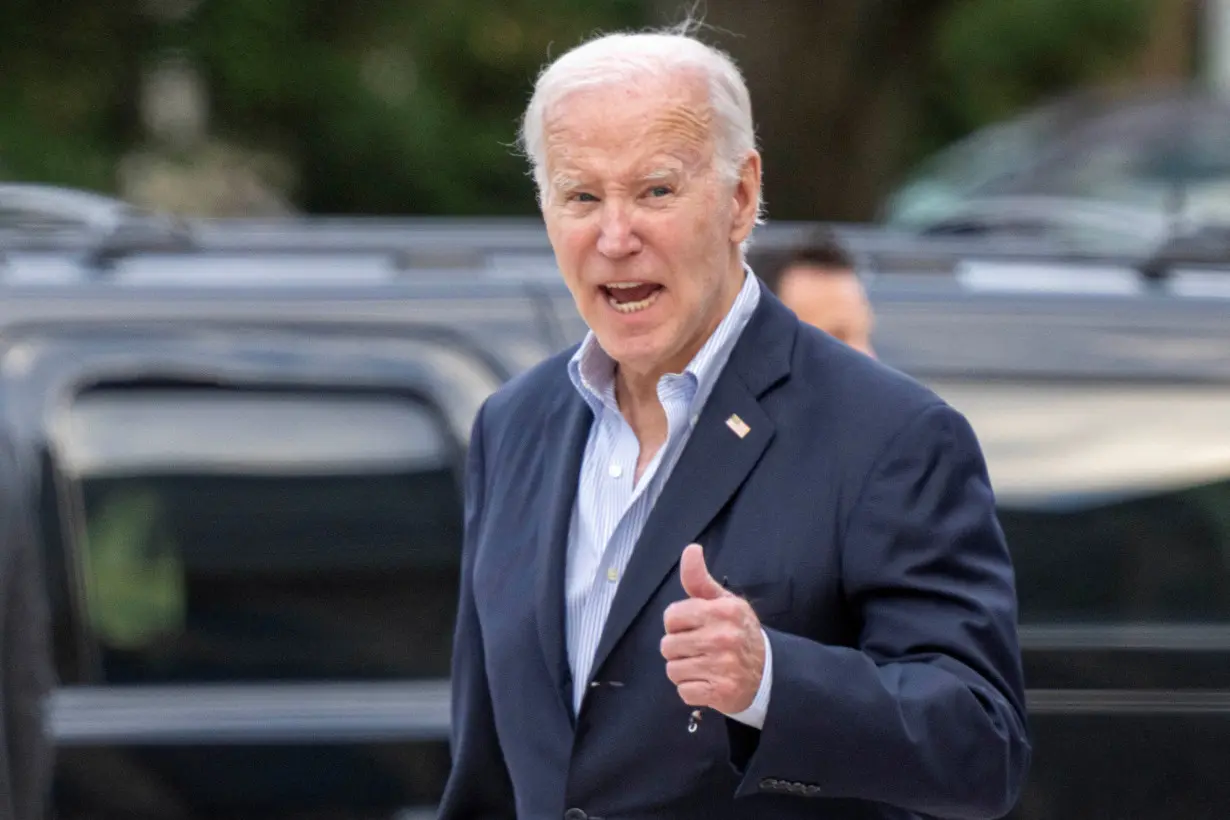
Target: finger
<point>695,693</point>
<point>715,641</point>
<point>690,613</point>
<point>697,582</point>
<point>681,645</point>
<point>688,670</point>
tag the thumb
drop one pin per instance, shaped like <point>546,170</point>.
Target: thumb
<point>697,582</point>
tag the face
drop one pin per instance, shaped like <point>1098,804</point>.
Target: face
<point>833,301</point>
<point>645,231</point>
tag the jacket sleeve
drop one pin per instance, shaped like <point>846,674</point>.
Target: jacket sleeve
<point>28,668</point>
<point>478,787</point>
<point>927,712</point>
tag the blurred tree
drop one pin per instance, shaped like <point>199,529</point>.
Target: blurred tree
<point>382,106</point>
<point>835,86</point>
<point>67,71</point>
<point>849,92</point>
<point>390,106</point>
<point>993,58</point>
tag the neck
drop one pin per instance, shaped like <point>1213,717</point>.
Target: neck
<point>635,389</point>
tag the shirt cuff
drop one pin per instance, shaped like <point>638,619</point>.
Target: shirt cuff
<point>754,715</point>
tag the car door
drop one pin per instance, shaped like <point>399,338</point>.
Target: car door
<point>1114,497</point>
<point>253,540</point>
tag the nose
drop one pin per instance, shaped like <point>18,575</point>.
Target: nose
<point>617,238</point>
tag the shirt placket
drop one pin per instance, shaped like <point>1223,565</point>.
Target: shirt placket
<point>620,471</point>
<point>616,552</point>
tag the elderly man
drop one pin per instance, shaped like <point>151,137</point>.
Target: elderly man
<point>717,564</point>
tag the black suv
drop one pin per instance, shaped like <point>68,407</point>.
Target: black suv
<point>245,446</point>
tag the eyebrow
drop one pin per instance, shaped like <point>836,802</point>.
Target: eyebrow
<point>661,173</point>
<point>564,182</point>
<point>567,183</point>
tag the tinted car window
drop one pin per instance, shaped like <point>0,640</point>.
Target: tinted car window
<point>1115,498</point>
<point>265,536</point>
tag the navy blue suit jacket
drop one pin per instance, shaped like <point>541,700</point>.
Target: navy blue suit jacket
<point>856,516</point>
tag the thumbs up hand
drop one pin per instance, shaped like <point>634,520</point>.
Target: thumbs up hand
<point>697,582</point>
<point>713,646</point>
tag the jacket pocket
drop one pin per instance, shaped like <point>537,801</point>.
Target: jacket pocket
<point>769,599</point>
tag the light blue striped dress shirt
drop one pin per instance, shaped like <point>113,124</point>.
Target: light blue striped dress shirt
<point>611,511</point>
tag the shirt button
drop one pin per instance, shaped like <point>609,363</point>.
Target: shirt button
<point>694,420</point>
<point>612,574</point>
<point>615,470</point>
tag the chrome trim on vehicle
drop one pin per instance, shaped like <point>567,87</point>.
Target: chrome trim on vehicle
<point>1142,637</point>
<point>407,712</point>
<point>1158,702</point>
<point>250,713</point>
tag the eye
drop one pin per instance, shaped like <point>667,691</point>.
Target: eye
<point>660,191</point>
<point>582,196</point>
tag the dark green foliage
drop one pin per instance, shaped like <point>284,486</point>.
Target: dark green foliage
<point>411,106</point>
<point>993,58</point>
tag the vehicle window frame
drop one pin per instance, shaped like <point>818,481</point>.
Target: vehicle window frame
<point>48,363</point>
<point>91,669</point>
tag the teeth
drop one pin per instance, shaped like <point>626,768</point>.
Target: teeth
<point>633,307</point>
<point>625,285</point>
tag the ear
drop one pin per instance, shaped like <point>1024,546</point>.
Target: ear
<point>746,198</point>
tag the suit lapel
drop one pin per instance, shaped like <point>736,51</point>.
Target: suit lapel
<point>714,464</point>
<point>572,418</point>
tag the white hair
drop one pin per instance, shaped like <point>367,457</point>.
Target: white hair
<point>625,57</point>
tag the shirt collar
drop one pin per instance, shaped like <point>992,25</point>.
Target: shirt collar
<point>592,370</point>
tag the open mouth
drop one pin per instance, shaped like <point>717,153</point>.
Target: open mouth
<point>631,297</point>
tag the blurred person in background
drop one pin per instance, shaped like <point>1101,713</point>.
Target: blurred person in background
<point>716,564</point>
<point>817,280</point>
<point>27,671</point>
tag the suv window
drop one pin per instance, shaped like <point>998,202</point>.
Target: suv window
<point>1115,498</point>
<point>239,535</point>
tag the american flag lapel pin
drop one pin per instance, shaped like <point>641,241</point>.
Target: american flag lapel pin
<point>738,425</point>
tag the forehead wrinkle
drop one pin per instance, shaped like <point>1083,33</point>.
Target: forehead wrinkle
<point>687,124</point>
<point>677,116</point>
<point>677,127</point>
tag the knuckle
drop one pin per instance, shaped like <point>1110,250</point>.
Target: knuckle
<point>679,616</point>
<point>727,638</point>
<point>670,617</point>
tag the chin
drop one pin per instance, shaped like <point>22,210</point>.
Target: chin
<point>628,348</point>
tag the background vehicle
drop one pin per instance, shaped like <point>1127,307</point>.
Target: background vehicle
<point>1099,171</point>
<point>246,453</point>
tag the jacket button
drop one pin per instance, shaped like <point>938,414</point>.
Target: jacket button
<point>575,814</point>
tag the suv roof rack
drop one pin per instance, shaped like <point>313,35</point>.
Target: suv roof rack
<point>26,206</point>
<point>1206,247</point>
<point>100,232</point>
<point>104,227</point>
